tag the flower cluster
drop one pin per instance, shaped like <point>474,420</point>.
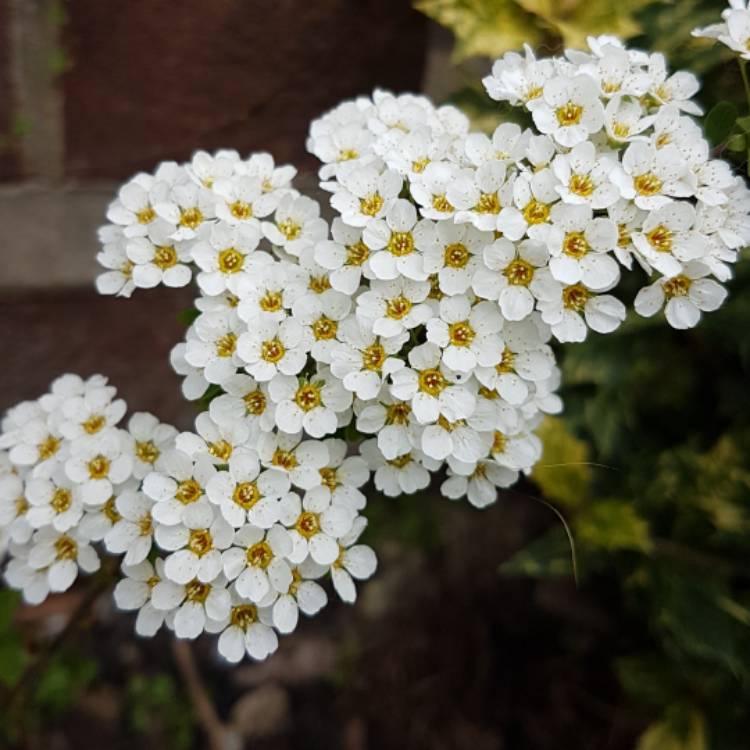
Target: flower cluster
<point>410,334</point>
<point>734,31</point>
<point>213,535</point>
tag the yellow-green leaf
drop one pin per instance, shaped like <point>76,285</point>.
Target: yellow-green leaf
<point>563,473</point>
<point>663,736</point>
<point>612,525</point>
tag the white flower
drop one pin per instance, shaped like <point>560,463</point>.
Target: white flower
<point>270,347</point>
<point>579,245</point>
<point>36,443</point>
<point>245,400</point>
<point>429,386</point>
<point>569,110</point>
<point>159,259</point>
<point>429,189</point>
<point>533,195</point>
<point>515,278</point>
<point>56,502</point>
<point>192,603</point>
<point>216,441</point>
<point>196,544</point>
<point>366,193</point>
<point>314,527</point>
<point>150,439</point>
<point>297,224</point>
<point>264,292</point>
<point>677,89</point>
<point>652,177</point>
<point>213,345</point>
<point>341,477</point>
<point>133,532</point>
<point>134,592</point>
<point>100,464</point>
<point>508,143</point>
<point>223,254</point>
<point>686,295</point>
<point>246,629</point>
<point>394,423</point>
<point>273,179</point>
<point>134,209</point>
<point>205,168</point>
<point>31,582</point>
<point>245,494</point>
<point>573,305</point>
<point>406,474</point>
<point>14,508</point>
<point>179,483</point>
<point>456,439</point>
<point>362,360</point>
<point>734,32</point>
<point>518,79</point>
<point>469,335</point>
<point>390,308</point>
<point>355,561</point>
<point>92,412</point>
<point>668,239</point>
<point>301,459</point>
<point>187,207</point>
<point>118,278</point>
<point>303,594</point>
<point>479,484</point>
<point>455,255</point>
<point>344,256</point>
<point>397,242</point>
<point>194,385</point>
<point>625,120</point>
<point>61,555</point>
<point>315,403</point>
<point>258,561</point>
<point>585,176</point>
<point>518,451</point>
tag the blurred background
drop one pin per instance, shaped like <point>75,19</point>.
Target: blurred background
<point>473,634</point>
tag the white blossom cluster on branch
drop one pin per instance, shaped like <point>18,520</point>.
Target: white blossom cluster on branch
<point>410,335</point>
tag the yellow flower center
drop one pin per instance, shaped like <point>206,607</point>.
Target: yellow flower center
<point>145,215</point>
<point>533,92</point>
<point>231,260</point>
<point>661,238</point>
<point>499,441</point>
<point>371,205</point>
<point>196,591</point>
<point>519,272</point>
<point>324,329</point>
<point>200,542</point>
<point>270,302</point>
<point>347,154</point>
<point>246,494</point>
<point>461,334</point>
<point>621,129</point>
<point>431,382</point>
<point>357,254</point>
<point>255,402</point>
<point>188,491</point>
<point>308,397</point>
<point>98,467</point>
<point>93,424</point>
<point>575,245</point>
<point>569,114</point>
<point>110,511</point>
<point>272,351</point>
<point>398,307</point>
<point>66,548</point>
<point>226,345</point>
<point>308,524</point>
<point>146,452</point>
<point>677,286</point>
<point>284,459</point>
<point>400,244</point>
<point>61,500</point>
<point>241,210</point>
<point>456,255</point>
<point>401,461</point>
<point>290,229</point>
<point>647,184</point>
<point>488,203</point>
<point>575,297</point>
<point>145,525</point>
<point>507,362</point>
<point>259,555</point>
<point>21,506</point>
<point>623,235</point>
<point>319,284</point>
<point>221,450</point>
<point>397,413</point>
<point>536,212</point>
<point>373,357</point>
<point>48,447</point>
<point>244,615</point>
<point>329,478</point>
<point>191,217</point>
<point>442,204</point>
<point>581,184</point>
<point>165,256</point>
<point>419,165</point>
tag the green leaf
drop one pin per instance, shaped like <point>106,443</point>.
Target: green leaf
<point>665,736</point>
<point>737,143</point>
<point>744,123</point>
<point>9,601</point>
<point>13,658</point>
<point>720,121</point>
<point>612,525</point>
<point>188,316</point>
<point>648,678</point>
<point>547,556</point>
<point>563,474</point>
